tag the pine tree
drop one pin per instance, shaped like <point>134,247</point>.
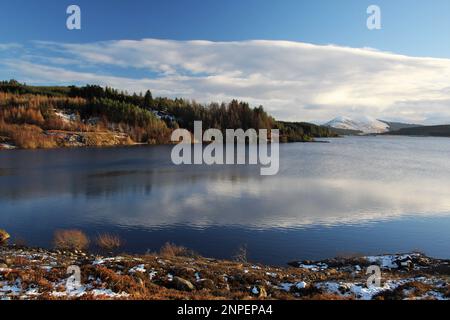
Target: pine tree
<point>148,99</point>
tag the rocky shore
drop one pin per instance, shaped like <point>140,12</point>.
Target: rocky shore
<point>28,273</point>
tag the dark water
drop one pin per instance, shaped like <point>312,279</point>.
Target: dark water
<point>353,195</point>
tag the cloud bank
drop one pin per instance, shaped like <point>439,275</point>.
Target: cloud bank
<point>293,80</point>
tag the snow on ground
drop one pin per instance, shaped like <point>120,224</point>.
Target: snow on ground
<point>100,261</point>
<point>286,286</point>
<point>88,289</point>
<point>7,146</point>
<point>138,268</point>
<point>356,290</point>
<point>305,280</point>
<point>66,117</point>
<point>392,261</point>
<point>314,267</point>
<point>361,291</point>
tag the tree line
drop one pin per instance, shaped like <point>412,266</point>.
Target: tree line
<point>139,114</point>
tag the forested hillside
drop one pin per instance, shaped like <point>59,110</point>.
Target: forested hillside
<point>432,131</point>
<point>47,117</point>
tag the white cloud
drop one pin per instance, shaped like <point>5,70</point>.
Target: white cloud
<point>9,46</point>
<point>294,81</point>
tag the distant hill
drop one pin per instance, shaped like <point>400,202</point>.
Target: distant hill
<point>360,125</point>
<point>365,125</point>
<point>394,126</point>
<point>431,131</point>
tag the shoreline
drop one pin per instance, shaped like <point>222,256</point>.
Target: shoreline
<point>9,147</point>
<point>35,273</point>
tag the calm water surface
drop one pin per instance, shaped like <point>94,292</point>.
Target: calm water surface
<point>353,195</point>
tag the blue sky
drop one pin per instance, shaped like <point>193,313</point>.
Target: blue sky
<point>415,30</point>
<point>413,27</point>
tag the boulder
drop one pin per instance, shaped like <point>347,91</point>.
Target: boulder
<point>4,235</point>
<point>405,263</point>
<point>206,284</point>
<point>182,284</point>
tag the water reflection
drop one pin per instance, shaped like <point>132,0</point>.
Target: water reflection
<point>352,181</point>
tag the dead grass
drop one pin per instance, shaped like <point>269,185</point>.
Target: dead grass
<point>241,254</point>
<point>108,242</point>
<point>409,290</point>
<point>70,240</point>
<point>169,250</point>
<point>4,235</point>
<point>20,241</point>
<point>27,136</point>
<point>325,296</point>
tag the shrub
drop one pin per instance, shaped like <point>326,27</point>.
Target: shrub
<point>108,242</point>
<point>70,240</point>
<point>241,254</point>
<point>4,235</point>
<point>172,250</point>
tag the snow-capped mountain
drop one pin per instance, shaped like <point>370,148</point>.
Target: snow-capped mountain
<point>366,125</point>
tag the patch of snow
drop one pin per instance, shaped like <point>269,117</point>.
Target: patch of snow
<point>11,289</point>
<point>390,261</point>
<point>285,286</point>
<point>434,295</point>
<point>32,292</point>
<point>314,267</point>
<point>84,290</point>
<point>7,146</point>
<point>98,262</point>
<point>66,117</point>
<point>108,293</point>
<point>361,291</point>
<point>47,268</point>
<point>152,274</point>
<point>138,268</point>
<point>301,285</point>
